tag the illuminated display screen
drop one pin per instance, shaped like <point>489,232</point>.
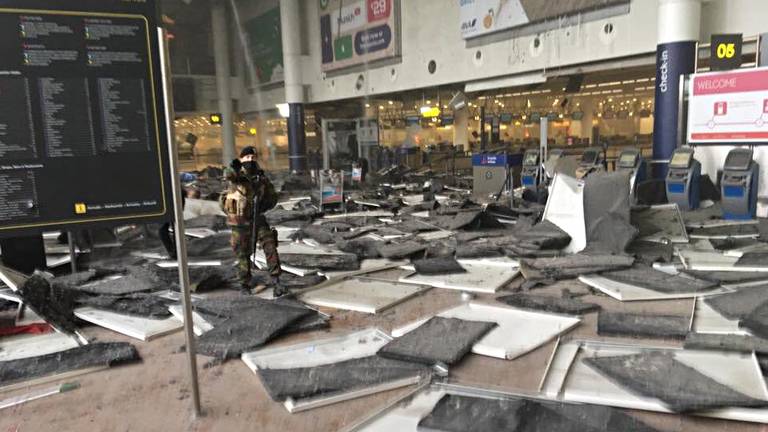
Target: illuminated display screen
<point>531,159</point>
<point>681,160</point>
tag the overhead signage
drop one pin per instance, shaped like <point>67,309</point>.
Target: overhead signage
<point>430,112</point>
<point>725,52</point>
<point>446,120</point>
<point>357,32</point>
<point>505,117</point>
<point>215,118</point>
<point>265,45</point>
<point>577,115</point>
<point>82,122</point>
<point>481,17</point>
<point>729,107</point>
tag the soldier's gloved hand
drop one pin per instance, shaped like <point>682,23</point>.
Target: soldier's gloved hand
<point>236,165</point>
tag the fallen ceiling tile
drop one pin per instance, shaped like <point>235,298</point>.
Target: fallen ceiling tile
<point>716,261</point>
<point>334,378</point>
<point>441,341</point>
<point>12,278</point>
<point>565,208</point>
<point>24,346</point>
<point>403,416</point>
<point>570,379</point>
<point>479,413</point>
<point>548,304</point>
<point>726,231</point>
<point>251,328</point>
<point>753,259</point>
<point>144,329</point>
<point>757,321</point>
<point>681,388</point>
<point>362,294</point>
<point>518,332</point>
<point>401,250</point>
<point>83,357</point>
<point>335,349</point>
<point>654,280</point>
<point>730,279</point>
<point>327,351</point>
<point>708,320</point>
<point>606,212</point>
<point>450,407</point>
<point>660,223</point>
<point>626,292</point>
<point>199,323</point>
<point>726,342</point>
<point>571,266</point>
<point>454,413</point>
<point>138,305</point>
<point>438,266</point>
<point>480,277</point>
<point>738,305</point>
<point>642,325</point>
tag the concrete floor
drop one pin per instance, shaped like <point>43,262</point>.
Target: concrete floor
<point>154,395</point>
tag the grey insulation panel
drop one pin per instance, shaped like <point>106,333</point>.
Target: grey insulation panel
<point>680,387</point>
<point>642,325</point>
<point>439,340</point>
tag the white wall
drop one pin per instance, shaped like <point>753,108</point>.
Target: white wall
<point>733,16</point>
<point>430,31</point>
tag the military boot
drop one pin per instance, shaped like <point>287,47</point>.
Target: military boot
<point>278,289</point>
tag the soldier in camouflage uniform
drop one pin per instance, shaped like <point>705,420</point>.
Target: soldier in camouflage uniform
<point>248,186</point>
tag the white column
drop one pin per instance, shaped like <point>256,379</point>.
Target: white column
<point>290,20</point>
<point>220,30</point>
<point>678,21</point>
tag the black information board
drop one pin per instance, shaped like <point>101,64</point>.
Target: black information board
<point>82,124</point>
<point>725,52</point>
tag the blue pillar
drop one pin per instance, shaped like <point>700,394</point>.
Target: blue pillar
<point>672,61</point>
<point>678,25</point>
<point>297,147</point>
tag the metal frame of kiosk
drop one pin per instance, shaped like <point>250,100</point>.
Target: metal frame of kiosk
<point>739,185</point>
<point>531,171</point>
<point>683,179</point>
<point>632,161</point>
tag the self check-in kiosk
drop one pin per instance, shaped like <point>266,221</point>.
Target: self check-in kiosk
<point>631,161</point>
<point>683,178</point>
<point>591,161</point>
<point>529,176</point>
<point>739,185</point>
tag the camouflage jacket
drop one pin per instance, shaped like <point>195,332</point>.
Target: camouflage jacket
<point>237,201</point>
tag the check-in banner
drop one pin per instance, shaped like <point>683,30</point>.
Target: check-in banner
<point>729,107</point>
<point>357,32</point>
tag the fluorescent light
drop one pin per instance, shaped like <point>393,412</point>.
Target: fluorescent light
<point>284,110</point>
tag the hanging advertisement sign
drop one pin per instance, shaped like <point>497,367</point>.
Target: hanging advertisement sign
<point>480,17</point>
<point>356,32</point>
<point>265,45</point>
<point>729,107</point>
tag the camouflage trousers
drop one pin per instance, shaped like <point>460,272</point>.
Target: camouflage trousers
<point>242,245</point>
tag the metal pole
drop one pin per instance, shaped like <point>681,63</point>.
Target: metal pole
<point>72,253</point>
<point>178,231</point>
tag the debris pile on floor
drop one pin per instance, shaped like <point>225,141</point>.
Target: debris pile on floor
<point>700,283</point>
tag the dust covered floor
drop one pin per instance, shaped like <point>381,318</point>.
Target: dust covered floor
<point>155,395</point>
